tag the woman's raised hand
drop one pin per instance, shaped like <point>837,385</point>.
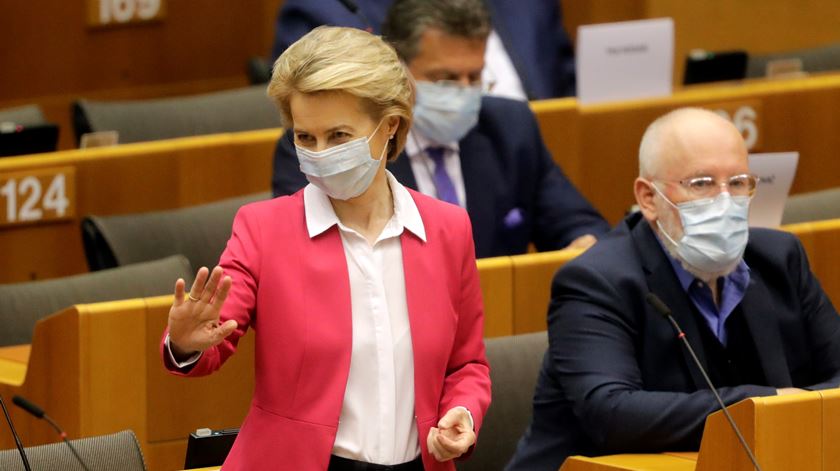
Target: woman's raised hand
<point>194,316</point>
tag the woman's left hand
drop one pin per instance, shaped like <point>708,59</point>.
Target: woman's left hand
<point>453,436</point>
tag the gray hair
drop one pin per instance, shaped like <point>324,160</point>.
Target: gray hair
<point>408,19</point>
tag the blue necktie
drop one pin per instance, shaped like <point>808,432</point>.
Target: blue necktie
<point>443,183</point>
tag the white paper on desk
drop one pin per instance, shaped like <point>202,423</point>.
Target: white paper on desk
<point>776,171</point>
<point>626,60</point>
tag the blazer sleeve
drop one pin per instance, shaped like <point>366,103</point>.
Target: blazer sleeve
<point>822,323</point>
<point>592,348</point>
<point>562,213</point>
<point>287,177</point>
<point>467,380</point>
<point>240,260</point>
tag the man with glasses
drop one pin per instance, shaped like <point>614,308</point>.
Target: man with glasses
<point>480,152</point>
<point>616,379</point>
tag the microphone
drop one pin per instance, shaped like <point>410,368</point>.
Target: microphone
<point>665,312</point>
<point>15,435</point>
<point>354,9</point>
<point>39,413</point>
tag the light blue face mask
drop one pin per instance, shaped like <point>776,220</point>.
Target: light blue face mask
<point>444,113</point>
<point>344,171</point>
<point>715,231</point>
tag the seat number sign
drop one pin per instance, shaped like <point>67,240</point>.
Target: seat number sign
<point>38,195</point>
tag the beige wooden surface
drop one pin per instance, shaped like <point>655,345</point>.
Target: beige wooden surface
<point>96,369</point>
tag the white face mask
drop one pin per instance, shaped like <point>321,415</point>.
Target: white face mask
<point>446,113</point>
<point>715,232</point>
<point>344,171</point>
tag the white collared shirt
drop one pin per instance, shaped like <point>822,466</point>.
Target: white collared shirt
<point>377,423</point>
<point>423,166</point>
<point>499,69</point>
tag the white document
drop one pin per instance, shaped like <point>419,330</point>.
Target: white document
<point>776,171</point>
<point>626,60</point>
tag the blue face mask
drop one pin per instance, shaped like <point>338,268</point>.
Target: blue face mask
<point>715,231</point>
<point>444,113</point>
<point>343,171</point>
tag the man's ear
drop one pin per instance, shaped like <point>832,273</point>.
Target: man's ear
<point>644,198</point>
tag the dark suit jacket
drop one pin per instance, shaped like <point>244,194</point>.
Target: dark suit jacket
<point>507,171</point>
<point>616,378</point>
<point>531,30</point>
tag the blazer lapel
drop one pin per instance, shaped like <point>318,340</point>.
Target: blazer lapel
<point>419,268</point>
<point>480,170</point>
<point>756,308</point>
<point>662,282</point>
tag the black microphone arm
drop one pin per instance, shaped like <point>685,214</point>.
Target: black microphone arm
<point>665,312</point>
<point>24,404</point>
<point>15,435</point>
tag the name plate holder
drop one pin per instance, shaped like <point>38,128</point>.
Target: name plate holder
<point>625,60</point>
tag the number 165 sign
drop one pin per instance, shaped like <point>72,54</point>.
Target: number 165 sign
<point>119,12</point>
<point>37,195</point>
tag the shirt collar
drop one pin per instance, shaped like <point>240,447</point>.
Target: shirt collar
<point>416,144</point>
<point>321,216</point>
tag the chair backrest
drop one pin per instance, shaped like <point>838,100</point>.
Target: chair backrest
<point>104,452</point>
<point>198,232</point>
<point>241,109</point>
<point>813,206</point>
<point>514,367</point>
<point>23,304</point>
<point>28,115</point>
<point>818,59</point>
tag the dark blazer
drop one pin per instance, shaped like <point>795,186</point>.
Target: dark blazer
<point>516,194</point>
<point>531,30</point>
<point>616,378</point>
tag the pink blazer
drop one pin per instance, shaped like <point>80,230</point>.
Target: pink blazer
<point>295,292</point>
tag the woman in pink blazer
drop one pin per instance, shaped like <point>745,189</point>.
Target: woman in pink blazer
<point>363,295</point>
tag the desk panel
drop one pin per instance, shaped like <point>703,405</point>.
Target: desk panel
<point>602,159</point>
<point>132,178</point>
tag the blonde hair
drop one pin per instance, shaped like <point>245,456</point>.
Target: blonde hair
<point>348,60</point>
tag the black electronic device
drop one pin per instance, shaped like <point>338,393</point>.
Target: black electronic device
<point>706,66</point>
<point>17,139</point>
<point>206,448</point>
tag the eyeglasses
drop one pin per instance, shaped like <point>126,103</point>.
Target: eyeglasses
<point>707,187</point>
<point>485,85</point>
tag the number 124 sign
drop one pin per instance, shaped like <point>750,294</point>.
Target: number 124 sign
<point>37,195</point>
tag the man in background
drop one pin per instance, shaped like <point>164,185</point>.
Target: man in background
<point>616,378</point>
<point>480,152</point>
<point>529,55</point>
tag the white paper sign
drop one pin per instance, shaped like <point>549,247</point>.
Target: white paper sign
<point>776,171</point>
<point>626,60</point>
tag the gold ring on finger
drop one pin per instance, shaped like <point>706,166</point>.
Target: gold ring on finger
<point>193,298</point>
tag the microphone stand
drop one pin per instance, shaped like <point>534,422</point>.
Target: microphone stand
<point>18,444</point>
<point>663,310</point>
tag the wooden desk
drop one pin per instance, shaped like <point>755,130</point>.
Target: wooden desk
<point>633,462</point>
<point>821,241</point>
<point>130,178</point>
<point>96,369</point>
<point>597,145</point>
